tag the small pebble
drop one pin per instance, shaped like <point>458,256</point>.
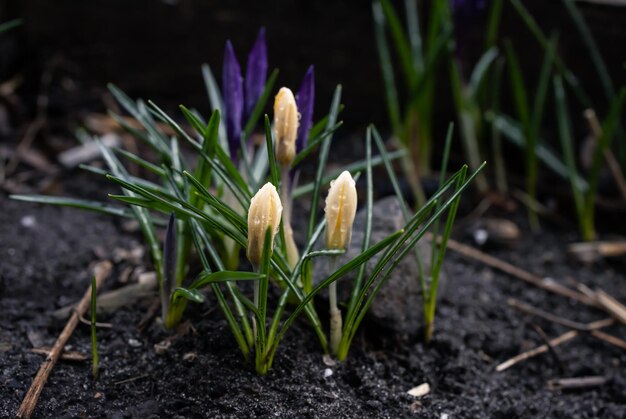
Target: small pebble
<point>374,404</point>
<point>134,343</point>
<point>147,277</point>
<point>480,236</point>
<point>419,391</point>
<point>98,395</point>
<point>190,356</point>
<point>444,416</point>
<point>328,372</point>
<point>28,221</point>
<point>130,226</point>
<point>328,361</point>
<point>162,347</point>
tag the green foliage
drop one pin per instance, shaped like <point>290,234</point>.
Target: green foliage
<point>420,57</point>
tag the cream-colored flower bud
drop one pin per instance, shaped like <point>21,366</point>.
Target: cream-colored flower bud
<point>285,126</point>
<point>340,211</point>
<point>265,212</point>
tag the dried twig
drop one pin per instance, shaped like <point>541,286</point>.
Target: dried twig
<point>130,380</point>
<point>536,351</point>
<point>576,382</point>
<point>590,252</point>
<point>83,320</point>
<point>65,356</point>
<point>110,301</point>
<point>611,305</point>
<point>613,340</point>
<point>551,348</point>
<point>543,283</point>
<point>101,271</point>
<point>537,312</point>
<point>553,342</point>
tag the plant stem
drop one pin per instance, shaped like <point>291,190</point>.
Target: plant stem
<point>293,255</point>
<point>429,329</point>
<point>255,300</point>
<point>335,313</point>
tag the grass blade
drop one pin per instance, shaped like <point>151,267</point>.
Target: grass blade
<point>567,144</point>
<point>384,58</point>
<point>400,42</point>
<point>323,156</point>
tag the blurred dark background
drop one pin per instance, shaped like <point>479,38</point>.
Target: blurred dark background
<point>154,49</point>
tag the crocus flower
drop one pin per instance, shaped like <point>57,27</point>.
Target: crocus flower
<point>285,126</point>
<point>340,211</point>
<point>265,212</point>
<point>305,101</point>
<point>232,92</point>
<point>256,72</point>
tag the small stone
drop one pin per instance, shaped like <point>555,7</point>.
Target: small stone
<point>162,347</point>
<point>415,407</point>
<point>133,255</point>
<point>444,416</point>
<point>190,356</point>
<point>35,338</point>
<point>328,361</point>
<point>147,278</point>
<point>28,221</point>
<point>497,231</point>
<point>480,236</point>
<point>396,307</point>
<point>98,395</point>
<point>328,372</point>
<point>130,226</point>
<point>134,343</point>
<point>419,391</point>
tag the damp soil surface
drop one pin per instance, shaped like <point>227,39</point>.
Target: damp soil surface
<point>45,253</point>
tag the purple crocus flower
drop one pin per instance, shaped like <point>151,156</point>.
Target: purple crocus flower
<point>305,99</point>
<point>232,92</point>
<point>256,72</point>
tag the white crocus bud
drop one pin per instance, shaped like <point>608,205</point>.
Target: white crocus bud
<point>265,212</point>
<point>285,126</point>
<point>340,211</point>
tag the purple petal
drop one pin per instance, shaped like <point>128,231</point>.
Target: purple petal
<point>256,71</point>
<point>305,101</point>
<point>232,92</point>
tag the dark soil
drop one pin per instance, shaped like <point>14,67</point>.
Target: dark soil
<point>202,374</point>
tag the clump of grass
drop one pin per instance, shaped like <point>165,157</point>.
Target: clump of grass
<point>525,132</point>
<point>584,193</point>
<point>217,209</point>
<point>419,57</point>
